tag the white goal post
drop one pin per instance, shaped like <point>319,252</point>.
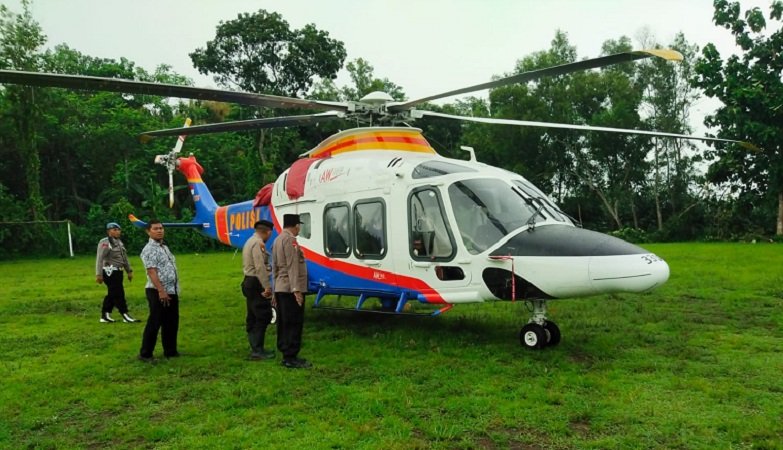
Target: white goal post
<point>32,222</point>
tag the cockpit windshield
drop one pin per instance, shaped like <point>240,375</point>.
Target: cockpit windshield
<point>487,209</point>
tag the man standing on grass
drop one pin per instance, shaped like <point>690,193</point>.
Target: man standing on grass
<point>257,289</point>
<point>162,291</point>
<point>290,274</point>
<point>110,260</point>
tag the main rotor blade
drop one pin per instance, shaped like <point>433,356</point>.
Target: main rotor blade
<point>161,89</point>
<point>602,61</point>
<point>240,125</point>
<point>526,123</point>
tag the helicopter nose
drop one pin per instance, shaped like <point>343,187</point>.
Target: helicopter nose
<point>627,273</point>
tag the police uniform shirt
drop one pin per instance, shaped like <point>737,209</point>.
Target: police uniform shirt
<point>289,264</point>
<point>156,254</point>
<point>255,260</point>
<point>111,256</point>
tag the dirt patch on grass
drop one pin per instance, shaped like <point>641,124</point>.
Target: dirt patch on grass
<point>580,427</point>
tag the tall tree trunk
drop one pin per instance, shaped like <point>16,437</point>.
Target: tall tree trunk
<point>635,216</point>
<point>780,213</point>
<point>30,156</point>
<point>261,135</point>
<point>657,188</point>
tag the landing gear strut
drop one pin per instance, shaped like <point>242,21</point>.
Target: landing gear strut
<point>539,332</point>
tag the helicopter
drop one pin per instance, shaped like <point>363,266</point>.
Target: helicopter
<point>386,218</point>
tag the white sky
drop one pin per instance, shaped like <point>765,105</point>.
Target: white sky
<point>425,46</point>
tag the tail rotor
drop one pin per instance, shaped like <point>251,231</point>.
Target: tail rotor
<point>170,161</point>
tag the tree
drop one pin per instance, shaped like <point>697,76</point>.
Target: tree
<point>667,100</point>
<point>259,52</point>
<point>20,39</point>
<point>751,90</point>
<point>362,75</point>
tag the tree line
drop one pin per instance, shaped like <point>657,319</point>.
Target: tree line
<point>75,155</point>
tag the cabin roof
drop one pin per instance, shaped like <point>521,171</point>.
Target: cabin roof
<point>372,138</point>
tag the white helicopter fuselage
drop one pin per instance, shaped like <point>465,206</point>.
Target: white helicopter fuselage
<point>390,220</point>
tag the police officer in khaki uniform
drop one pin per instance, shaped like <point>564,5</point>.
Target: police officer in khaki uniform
<point>290,273</point>
<point>110,260</point>
<point>257,289</point>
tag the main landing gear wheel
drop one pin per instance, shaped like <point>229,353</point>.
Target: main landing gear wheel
<point>539,332</point>
<point>532,335</point>
<point>553,333</point>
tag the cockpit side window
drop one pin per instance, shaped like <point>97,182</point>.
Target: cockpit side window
<point>429,231</point>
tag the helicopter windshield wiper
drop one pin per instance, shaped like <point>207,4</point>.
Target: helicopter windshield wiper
<point>531,222</point>
<point>530,200</point>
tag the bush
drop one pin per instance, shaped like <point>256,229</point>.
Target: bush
<point>634,235</point>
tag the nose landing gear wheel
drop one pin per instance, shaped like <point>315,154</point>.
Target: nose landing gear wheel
<point>533,336</point>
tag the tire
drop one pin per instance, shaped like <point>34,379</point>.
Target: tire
<point>532,336</point>
<point>552,332</point>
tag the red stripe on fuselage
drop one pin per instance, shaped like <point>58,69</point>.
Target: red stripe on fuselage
<point>221,224</point>
<point>370,274</point>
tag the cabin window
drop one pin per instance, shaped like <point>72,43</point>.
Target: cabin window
<point>369,220</point>
<point>438,168</point>
<point>304,231</point>
<point>430,236</point>
<point>337,230</point>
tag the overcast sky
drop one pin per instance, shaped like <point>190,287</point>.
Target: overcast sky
<point>425,46</point>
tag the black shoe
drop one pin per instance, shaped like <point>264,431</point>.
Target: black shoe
<point>264,354</point>
<point>128,319</point>
<point>173,355</point>
<point>106,318</point>
<point>146,359</point>
<point>297,363</point>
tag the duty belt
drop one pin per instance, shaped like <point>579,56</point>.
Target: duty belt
<point>110,270</point>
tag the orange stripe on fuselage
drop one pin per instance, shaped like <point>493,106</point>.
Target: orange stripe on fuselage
<point>221,224</point>
<point>375,140</point>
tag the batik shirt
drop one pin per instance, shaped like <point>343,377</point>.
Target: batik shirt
<point>156,254</point>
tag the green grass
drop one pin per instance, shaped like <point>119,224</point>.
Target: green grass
<point>696,364</point>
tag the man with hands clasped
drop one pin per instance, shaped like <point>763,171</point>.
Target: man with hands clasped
<point>257,289</point>
<point>290,273</point>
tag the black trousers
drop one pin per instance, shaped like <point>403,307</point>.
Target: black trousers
<point>290,319</point>
<point>164,318</point>
<point>116,293</point>
<point>259,313</point>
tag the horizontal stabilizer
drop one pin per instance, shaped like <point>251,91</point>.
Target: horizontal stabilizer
<point>141,224</point>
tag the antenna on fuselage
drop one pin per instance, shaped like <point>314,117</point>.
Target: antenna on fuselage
<point>471,151</point>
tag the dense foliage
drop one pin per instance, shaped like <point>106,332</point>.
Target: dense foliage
<point>74,155</point>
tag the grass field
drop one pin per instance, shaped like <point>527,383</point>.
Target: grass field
<point>696,364</point>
